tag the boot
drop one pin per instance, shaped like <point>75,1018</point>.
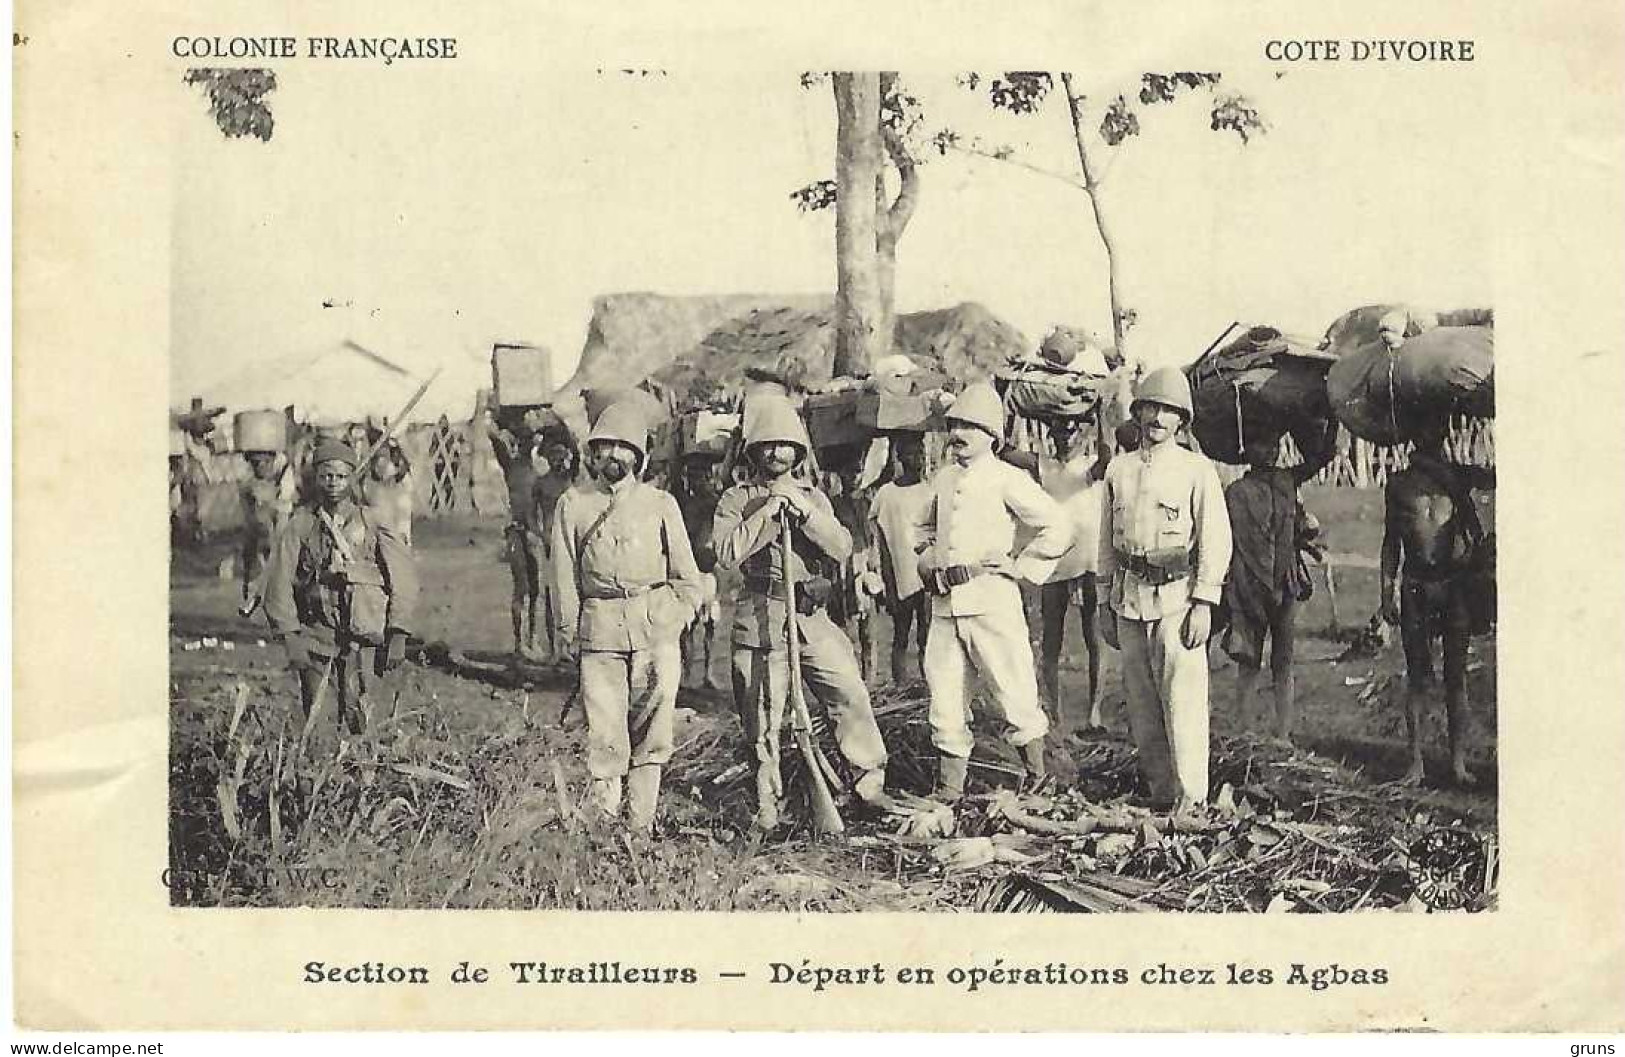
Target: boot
<point>1037,770</point>
<point>871,789</point>
<point>606,794</point>
<point>642,796</point>
<point>951,778</point>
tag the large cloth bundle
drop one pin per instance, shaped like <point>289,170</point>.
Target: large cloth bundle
<point>1064,381</point>
<point>1260,385</point>
<point>1398,369</point>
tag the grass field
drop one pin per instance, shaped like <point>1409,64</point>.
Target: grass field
<point>467,790</point>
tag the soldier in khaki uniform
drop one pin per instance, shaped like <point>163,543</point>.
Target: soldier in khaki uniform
<point>626,586</point>
<point>970,564</point>
<point>1164,551</point>
<point>745,535</point>
<point>340,588</point>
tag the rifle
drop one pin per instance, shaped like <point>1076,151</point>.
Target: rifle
<point>826,818</point>
<point>363,459</point>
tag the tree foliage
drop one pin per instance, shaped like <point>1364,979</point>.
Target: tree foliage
<point>237,99</point>
<point>902,123</point>
<point>820,194</point>
<point>1115,121</point>
<point>1024,92</point>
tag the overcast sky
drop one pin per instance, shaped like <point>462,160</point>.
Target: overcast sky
<point>447,208</point>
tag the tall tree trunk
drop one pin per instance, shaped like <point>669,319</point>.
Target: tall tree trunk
<point>1091,185</point>
<point>859,310</point>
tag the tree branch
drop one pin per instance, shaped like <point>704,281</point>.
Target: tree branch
<point>893,218</point>
<point>1009,159</point>
<point>1074,103</point>
<point>902,208</point>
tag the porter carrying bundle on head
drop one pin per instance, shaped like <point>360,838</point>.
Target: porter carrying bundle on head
<point>1399,368</point>
<point>1255,388</point>
<point>1065,380</point>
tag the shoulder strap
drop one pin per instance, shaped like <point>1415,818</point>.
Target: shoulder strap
<point>591,531</point>
<point>340,542</point>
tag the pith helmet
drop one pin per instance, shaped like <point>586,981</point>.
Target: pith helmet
<point>773,420</point>
<point>1167,386</point>
<point>334,451</point>
<point>624,422</point>
<point>979,405</point>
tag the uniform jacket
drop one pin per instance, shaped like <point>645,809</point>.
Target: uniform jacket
<point>972,519</point>
<point>1160,503</point>
<point>745,539</point>
<point>631,581</point>
<point>303,591</point>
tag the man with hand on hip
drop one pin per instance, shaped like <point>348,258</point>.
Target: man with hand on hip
<point>971,567</point>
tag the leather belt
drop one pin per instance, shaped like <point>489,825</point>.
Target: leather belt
<point>941,581</point>
<point>1164,568</point>
<point>811,595</point>
<point>618,593</point>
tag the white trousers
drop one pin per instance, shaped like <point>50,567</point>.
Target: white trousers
<point>996,645</point>
<point>1167,706</point>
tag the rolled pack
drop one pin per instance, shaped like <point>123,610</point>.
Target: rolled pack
<point>1260,385</point>
<point>1063,381</point>
<point>1399,368</point>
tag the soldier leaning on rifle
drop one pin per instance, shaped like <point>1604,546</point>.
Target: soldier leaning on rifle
<point>746,537</point>
<point>340,590</point>
<point>967,534</point>
<point>626,587</point>
<point>1164,552</point>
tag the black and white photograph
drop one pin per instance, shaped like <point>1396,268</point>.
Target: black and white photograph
<point>714,518</point>
<point>1133,497</point>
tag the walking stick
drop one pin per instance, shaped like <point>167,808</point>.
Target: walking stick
<point>826,819</point>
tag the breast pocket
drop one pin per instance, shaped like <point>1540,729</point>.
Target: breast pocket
<point>1173,523</point>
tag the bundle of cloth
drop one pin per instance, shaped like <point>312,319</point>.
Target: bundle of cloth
<point>1259,386</point>
<point>1399,367</point>
<point>1065,379</point>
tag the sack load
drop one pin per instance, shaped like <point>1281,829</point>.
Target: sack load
<point>1398,368</point>
<point>1261,384</point>
<point>1037,389</point>
<point>1062,380</point>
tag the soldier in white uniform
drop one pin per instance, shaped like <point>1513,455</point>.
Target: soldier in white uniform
<point>970,565</point>
<point>1164,551</point>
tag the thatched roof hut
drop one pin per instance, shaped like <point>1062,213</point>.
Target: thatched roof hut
<point>698,348</point>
